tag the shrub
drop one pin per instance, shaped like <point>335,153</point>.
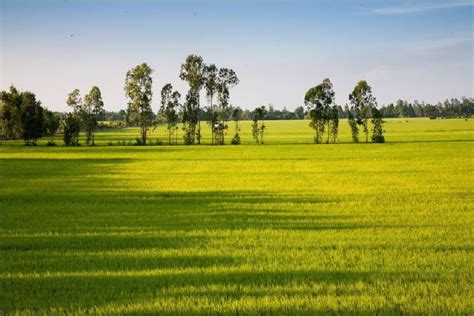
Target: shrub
<point>50,143</point>
<point>378,139</point>
<point>236,139</point>
<point>138,141</point>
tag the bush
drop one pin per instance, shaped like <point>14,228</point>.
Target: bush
<point>138,141</point>
<point>109,143</point>
<point>236,139</point>
<point>50,143</point>
<point>378,139</point>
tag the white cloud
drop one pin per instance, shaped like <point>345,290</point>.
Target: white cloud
<point>422,8</point>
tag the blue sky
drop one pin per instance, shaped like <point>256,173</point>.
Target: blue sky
<point>405,49</point>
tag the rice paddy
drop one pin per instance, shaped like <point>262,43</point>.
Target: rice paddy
<point>288,227</point>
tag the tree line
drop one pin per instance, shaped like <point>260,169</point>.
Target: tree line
<point>22,116</point>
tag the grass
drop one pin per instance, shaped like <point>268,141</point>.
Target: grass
<point>284,228</point>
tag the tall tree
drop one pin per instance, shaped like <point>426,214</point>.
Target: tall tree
<point>93,107</point>
<point>138,88</point>
<point>168,110</point>
<point>226,79</point>
<point>318,100</point>
<point>258,130</point>
<point>192,71</point>
<point>210,74</point>
<point>363,101</point>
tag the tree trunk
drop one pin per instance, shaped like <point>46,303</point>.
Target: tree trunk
<point>143,136</point>
<point>329,128</point>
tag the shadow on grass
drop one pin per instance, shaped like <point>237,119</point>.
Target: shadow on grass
<point>89,291</point>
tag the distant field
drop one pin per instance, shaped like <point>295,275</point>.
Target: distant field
<point>289,227</point>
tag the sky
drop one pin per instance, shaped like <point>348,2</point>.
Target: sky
<point>414,50</point>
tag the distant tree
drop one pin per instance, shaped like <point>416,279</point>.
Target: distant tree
<point>299,112</point>
<point>92,108</point>
<point>318,101</point>
<point>236,116</point>
<point>258,130</point>
<point>169,106</point>
<point>377,129</point>
<point>10,113</point>
<point>51,122</point>
<point>363,101</point>
<point>32,119</point>
<point>138,88</point>
<point>192,71</point>
<point>353,126</point>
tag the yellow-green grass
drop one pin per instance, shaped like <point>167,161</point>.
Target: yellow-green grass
<point>285,228</point>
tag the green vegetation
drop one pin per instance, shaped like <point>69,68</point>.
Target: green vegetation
<point>289,227</point>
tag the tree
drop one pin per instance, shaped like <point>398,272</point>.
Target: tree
<point>318,101</point>
<point>258,130</point>
<point>363,101</point>
<point>226,79</point>
<point>138,85</point>
<point>10,113</point>
<point>169,105</point>
<point>334,123</point>
<point>299,112</point>
<point>210,74</point>
<point>74,100</point>
<point>51,122</point>
<point>192,71</point>
<point>377,129</point>
<point>92,108</point>
<point>353,126</point>
<point>32,118</point>
<point>72,127</point>
<point>236,116</point>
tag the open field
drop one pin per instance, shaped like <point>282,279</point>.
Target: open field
<point>288,227</point>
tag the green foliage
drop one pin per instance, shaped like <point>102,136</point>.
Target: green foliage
<point>92,108</point>
<point>319,100</point>
<point>377,129</point>
<point>52,122</point>
<point>192,71</point>
<point>138,88</point>
<point>354,128</point>
<point>258,130</point>
<point>236,139</point>
<point>22,116</point>
<point>362,101</point>
<point>169,110</point>
<point>10,113</point>
<point>72,128</point>
<point>32,118</point>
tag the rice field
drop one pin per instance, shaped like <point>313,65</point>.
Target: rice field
<point>288,227</point>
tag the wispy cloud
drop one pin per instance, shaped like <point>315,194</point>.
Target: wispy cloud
<point>408,9</point>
